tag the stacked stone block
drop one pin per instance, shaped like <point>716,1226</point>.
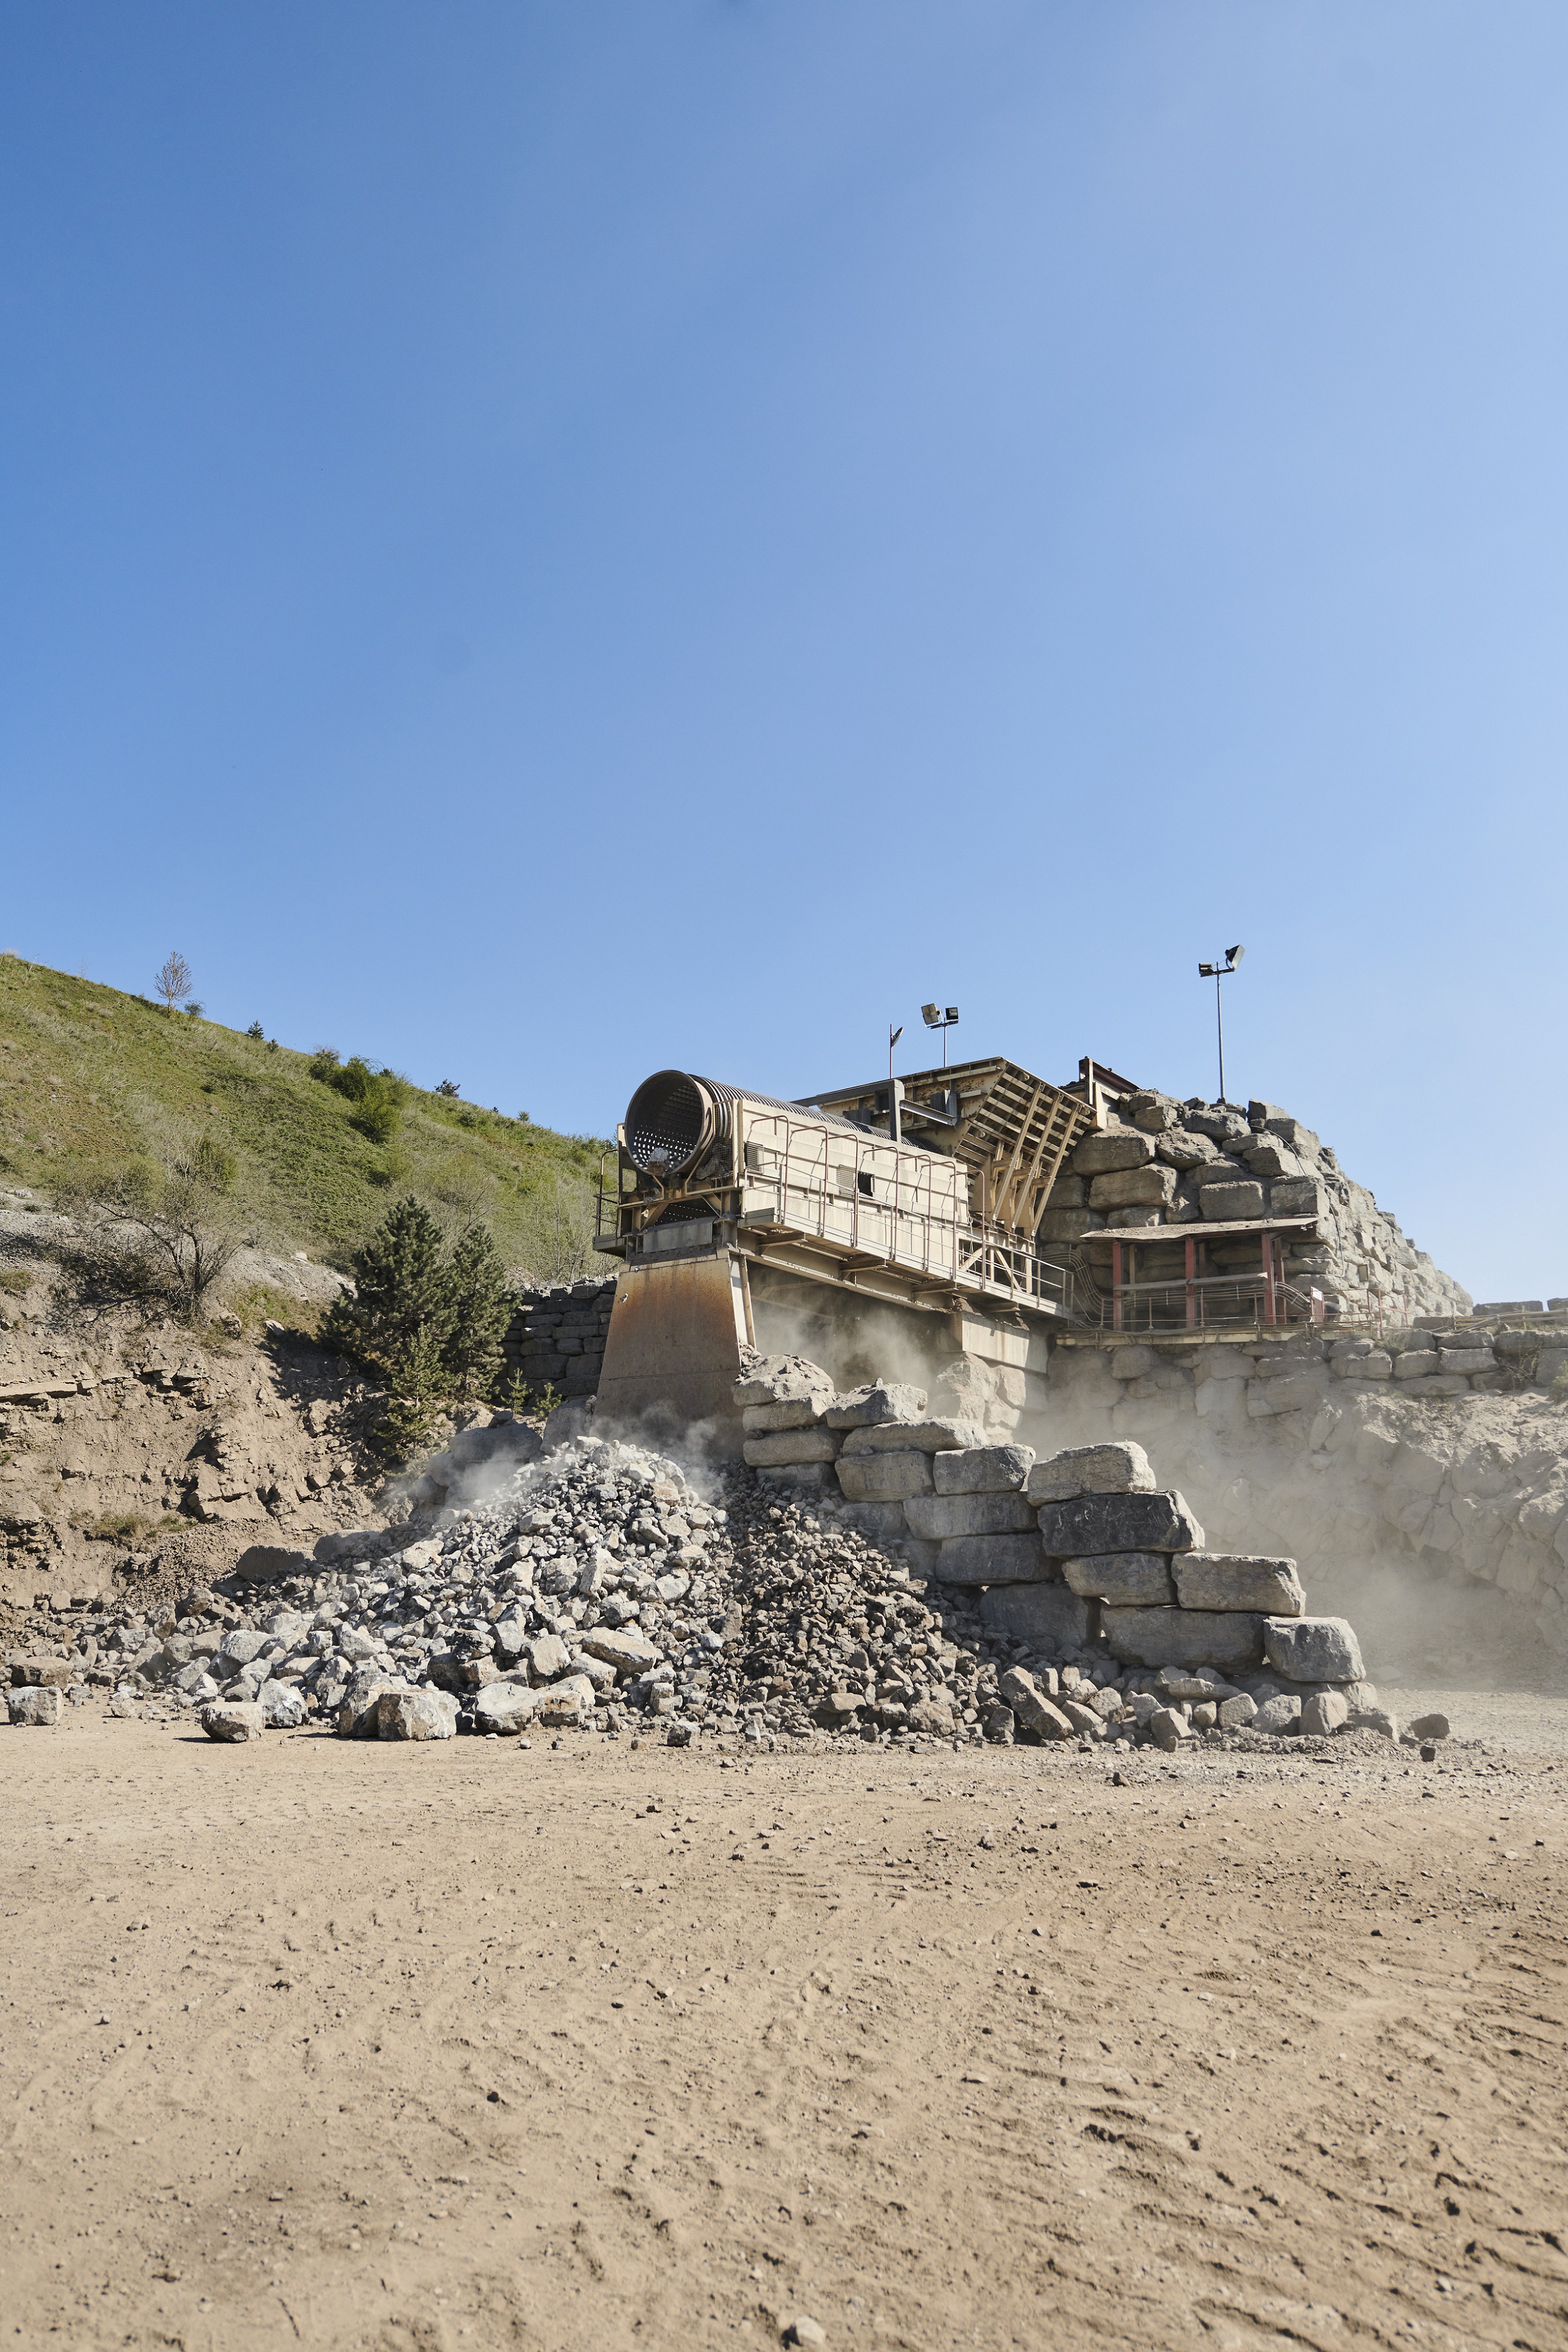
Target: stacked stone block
<point>1167,1164</point>
<point>1079,1554</point>
<point>556,1337</point>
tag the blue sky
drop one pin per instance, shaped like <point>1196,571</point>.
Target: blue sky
<point>541,542</point>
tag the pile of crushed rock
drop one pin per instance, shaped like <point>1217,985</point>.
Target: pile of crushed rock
<point>606,1589</point>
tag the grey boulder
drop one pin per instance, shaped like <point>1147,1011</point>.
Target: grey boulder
<point>1125,1522</point>
<point>885,1477</point>
<point>878,1400</point>
<point>1313,1649</point>
<point>931,1436</point>
<point>1321,1713</point>
<point>416,1714</point>
<point>36,1706</point>
<point>282,1707</point>
<point>788,1446</point>
<point>982,1469</point>
<point>993,1559</point>
<point>232,1724</point>
<point>1119,1469</point>
<point>1223,1580</point>
<point>937,1518</point>
<point>1128,1580</point>
<point>1032,1708</point>
<point>1231,1639</point>
<point>505,1707</point>
<point>1047,1614</point>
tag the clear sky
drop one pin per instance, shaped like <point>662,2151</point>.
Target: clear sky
<point>541,542</point>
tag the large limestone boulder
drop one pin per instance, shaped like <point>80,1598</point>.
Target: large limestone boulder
<point>993,1559</point>
<point>1230,1639</point>
<point>885,1477</point>
<point>1219,1579</point>
<point>785,1380</point>
<point>628,1652</point>
<point>1152,1186</point>
<point>1118,1148</point>
<point>1158,1522</point>
<point>1232,1202</point>
<point>1127,1580</point>
<point>939,1517</point>
<point>1120,1469</point>
<point>878,1400</point>
<point>505,1707</point>
<point>416,1714</point>
<point>786,1447</point>
<point>1047,1614</point>
<point>982,1469</point>
<point>230,1724</point>
<point>1313,1649</point>
<point>35,1706</point>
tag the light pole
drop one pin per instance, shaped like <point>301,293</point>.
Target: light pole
<point>935,1018</point>
<point>1217,972</point>
<point>894,1127</point>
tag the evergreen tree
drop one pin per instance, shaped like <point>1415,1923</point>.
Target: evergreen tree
<point>418,1380</point>
<point>481,1309</point>
<point>402,1287</point>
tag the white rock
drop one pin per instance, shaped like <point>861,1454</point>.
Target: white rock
<point>35,1706</point>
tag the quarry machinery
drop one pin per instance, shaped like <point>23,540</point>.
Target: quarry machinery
<point>903,1213</point>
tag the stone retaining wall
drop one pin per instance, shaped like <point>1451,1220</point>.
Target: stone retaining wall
<point>1162,1163</point>
<point>557,1336</point>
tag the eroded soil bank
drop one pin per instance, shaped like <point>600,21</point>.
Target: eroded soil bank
<point>350,2045</point>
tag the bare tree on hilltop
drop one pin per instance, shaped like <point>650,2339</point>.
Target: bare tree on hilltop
<point>173,981</point>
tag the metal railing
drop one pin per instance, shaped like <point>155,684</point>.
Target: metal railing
<point>1216,1302</point>
<point>911,1217</point>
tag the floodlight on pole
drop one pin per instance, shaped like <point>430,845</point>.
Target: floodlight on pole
<point>1218,971</point>
<point>935,1017</point>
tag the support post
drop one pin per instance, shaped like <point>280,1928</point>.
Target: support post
<point>1268,1277</point>
<point>1192,1270</point>
<point>1116,1286</point>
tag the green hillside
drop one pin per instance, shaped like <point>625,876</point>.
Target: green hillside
<point>91,1078</point>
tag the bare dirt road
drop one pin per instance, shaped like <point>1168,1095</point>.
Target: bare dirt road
<point>315,2042</point>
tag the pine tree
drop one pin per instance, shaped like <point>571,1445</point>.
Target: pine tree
<point>403,1286</point>
<point>418,1380</point>
<point>481,1309</point>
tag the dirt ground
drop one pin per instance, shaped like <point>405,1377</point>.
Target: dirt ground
<point>384,2046</point>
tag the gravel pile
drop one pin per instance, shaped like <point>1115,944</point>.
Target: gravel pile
<point>605,1588</point>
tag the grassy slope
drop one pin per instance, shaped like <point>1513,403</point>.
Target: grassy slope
<point>90,1077</point>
